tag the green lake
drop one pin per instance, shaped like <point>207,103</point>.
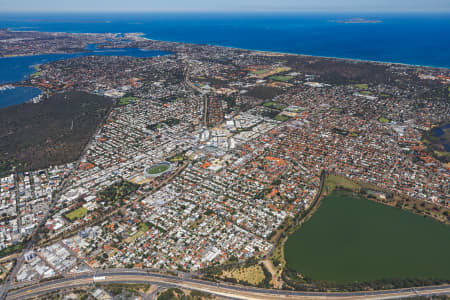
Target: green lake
<point>350,238</point>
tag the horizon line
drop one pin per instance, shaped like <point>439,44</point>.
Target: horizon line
<point>228,11</point>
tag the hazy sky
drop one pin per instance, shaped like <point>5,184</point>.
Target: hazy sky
<point>224,5</point>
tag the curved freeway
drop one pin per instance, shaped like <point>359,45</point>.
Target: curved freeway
<point>219,289</point>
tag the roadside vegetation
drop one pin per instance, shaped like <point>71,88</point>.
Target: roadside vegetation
<point>254,274</point>
<point>197,295</point>
<point>127,290</point>
<point>250,272</point>
<point>79,293</point>
<point>12,249</point>
<point>171,294</point>
<point>5,269</point>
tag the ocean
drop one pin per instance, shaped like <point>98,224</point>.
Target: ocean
<point>417,39</point>
<point>410,38</point>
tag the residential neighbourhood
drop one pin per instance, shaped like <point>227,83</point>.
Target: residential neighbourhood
<point>245,136</point>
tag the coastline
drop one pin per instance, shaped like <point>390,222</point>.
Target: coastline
<point>144,37</point>
<point>358,60</point>
<point>31,95</point>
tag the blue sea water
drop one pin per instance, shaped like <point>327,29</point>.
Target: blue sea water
<point>17,95</point>
<point>13,69</point>
<point>411,38</point>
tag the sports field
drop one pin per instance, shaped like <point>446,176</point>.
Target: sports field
<point>76,214</point>
<point>350,238</point>
<point>158,169</point>
<point>126,100</point>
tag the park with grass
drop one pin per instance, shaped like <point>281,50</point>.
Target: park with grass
<point>252,274</point>
<point>126,100</point>
<point>366,93</point>
<point>76,214</point>
<point>274,105</point>
<point>11,249</point>
<point>260,72</point>
<point>38,71</point>
<point>361,85</point>
<point>116,192</point>
<point>383,120</point>
<point>281,117</point>
<point>282,78</point>
<point>177,158</point>
<point>35,74</point>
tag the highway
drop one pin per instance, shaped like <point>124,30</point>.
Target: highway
<point>228,291</point>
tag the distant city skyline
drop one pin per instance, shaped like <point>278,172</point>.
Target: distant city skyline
<point>228,6</point>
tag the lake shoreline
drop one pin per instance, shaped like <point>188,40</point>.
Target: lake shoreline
<point>356,207</point>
